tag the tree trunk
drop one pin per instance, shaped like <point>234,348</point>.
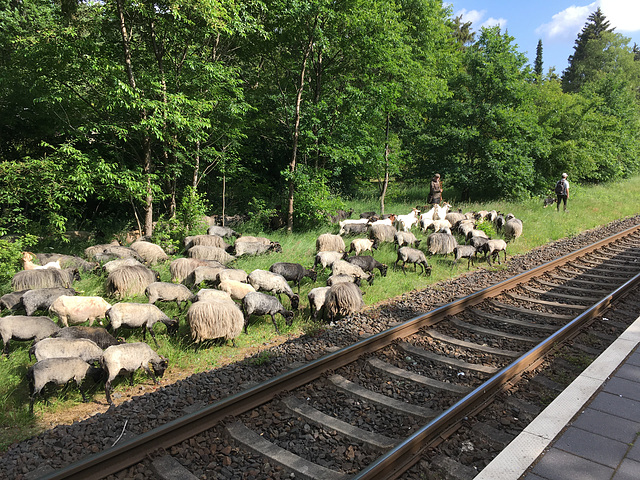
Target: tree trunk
<point>385,183</point>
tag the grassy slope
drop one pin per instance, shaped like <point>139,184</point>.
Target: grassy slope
<point>588,208</point>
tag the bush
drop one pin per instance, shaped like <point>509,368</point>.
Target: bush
<point>10,254</point>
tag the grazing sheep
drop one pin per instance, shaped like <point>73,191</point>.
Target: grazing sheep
<point>99,335</point>
<point>440,225</point>
<point>168,292</point>
<point>44,278</point>
<point>343,278</point>
<point>340,215</point>
<point>256,248</point>
<point>201,252</point>
<point>405,222</point>
<point>367,215</point>
<point>135,315</point>
<point>274,283</point>
<point>354,229</point>
<point>224,232</point>
<point>328,242</point>
<point>207,294</point>
<point>130,281</point>
<point>130,357</point>
<point>205,274</point>
<point>12,300</point>
<point>326,259</point>
<point>293,272</point>
<point>257,303</point>
<point>386,220</point>
<point>181,268</point>
<point>236,289</point>
<point>150,252</point>
<point>368,264</point>
<point>382,233</point>
<point>346,224</point>
<point>207,241</point>
<point>415,256</point>
<point>406,238</point>
<point>236,274</point>
<point>215,319</point>
<point>465,251</point>
<point>493,248</point>
<point>441,243</point>
<point>251,239</point>
<point>82,348</point>
<point>455,217</point>
<point>343,299</point>
<point>360,245</point>
<point>317,297</point>
<point>512,228</point>
<point>76,310</point>
<point>67,261</point>
<point>23,328</point>
<point>113,265</point>
<point>342,267</point>
<point>110,251</point>
<point>477,242</point>
<point>476,233</point>
<point>59,371</point>
<point>499,223</point>
<point>42,298</point>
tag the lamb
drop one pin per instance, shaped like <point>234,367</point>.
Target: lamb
<point>405,222</point>
<point>328,242</point>
<point>181,268</point>
<point>168,292</point>
<point>427,217</point>
<point>343,278</point>
<point>293,272</point>
<point>343,299</point>
<point>406,238</point>
<point>215,319</point>
<point>201,252</point>
<point>44,278</point>
<point>82,348</point>
<point>27,262</point>
<point>441,243</point>
<point>67,261</point>
<point>382,233</point>
<point>440,225</point>
<point>224,232</point>
<point>42,298</point>
<point>493,248</point>
<point>70,309</point>
<point>368,264</point>
<point>346,268</point>
<point>354,229</point>
<point>256,248</point>
<point>274,283</point>
<point>207,241</point>
<point>113,265</point>
<point>23,328</point>
<point>150,252</point>
<point>415,256</point>
<point>326,259</point>
<point>13,300</point>
<point>465,251</point>
<point>236,274</point>
<point>59,371</point>
<point>513,228</point>
<point>110,251</point>
<point>99,335</point>
<point>257,303</point>
<point>130,357</point>
<point>135,315</point>
<point>236,289</point>
<point>130,281</point>
<point>204,274</point>
<point>360,245</point>
<point>317,297</point>
<point>207,294</point>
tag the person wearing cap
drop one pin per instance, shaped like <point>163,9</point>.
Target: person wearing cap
<point>435,192</point>
<point>562,191</point>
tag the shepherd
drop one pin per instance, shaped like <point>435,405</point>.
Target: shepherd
<point>435,192</point>
<point>562,192</point>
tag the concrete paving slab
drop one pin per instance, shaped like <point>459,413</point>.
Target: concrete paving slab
<point>634,451</point>
<point>628,470</point>
<point>607,425</point>
<point>630,372</point>
<point>617,405</point>
<point>623,387</point>
<point>592,446</point>
<point>559,465</point>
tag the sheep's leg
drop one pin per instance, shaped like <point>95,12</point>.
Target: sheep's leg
<point>151,374</point>
<point>107,391</point>
<point>275,324</point>
<point>153,335</point>
<point>246,322</point>
<point>84,396</point>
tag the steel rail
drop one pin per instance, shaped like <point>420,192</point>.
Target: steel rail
<point>133,451</point>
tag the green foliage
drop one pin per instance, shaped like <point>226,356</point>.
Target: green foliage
<point>11,253</point>
<point>488,228</point>
<point>313,200</point>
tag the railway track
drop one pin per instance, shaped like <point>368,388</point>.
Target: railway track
<point>372,409</point>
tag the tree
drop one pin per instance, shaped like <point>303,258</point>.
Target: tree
<point>573,76</point>
<point>537,68</point>
<point>462,32</point>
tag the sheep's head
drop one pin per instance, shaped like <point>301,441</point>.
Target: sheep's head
<point>288,317</point>
<point>313,275</point>
<point>160,366</point>
<point>295,302</point>
<point>383,270</point>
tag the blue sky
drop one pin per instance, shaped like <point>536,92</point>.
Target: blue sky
<point>555,22</point>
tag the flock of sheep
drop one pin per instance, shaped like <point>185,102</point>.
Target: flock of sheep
<point>67,351</point>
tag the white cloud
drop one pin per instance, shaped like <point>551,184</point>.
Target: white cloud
<point>473,16</point>
<point>492,22</point>
<point>624,15</point>
<point>566,24</point>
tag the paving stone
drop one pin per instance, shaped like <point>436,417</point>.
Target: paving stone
<point>607,425</point>
<point>624,387</point>
<point>592,446</point>
<point>628,470</point>
<point>619,406</point>
<point>629,372</point>
<point>634,452</point>
<point>559,465</point>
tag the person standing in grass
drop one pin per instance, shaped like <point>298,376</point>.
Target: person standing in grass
<point>562,191</point>
<point>435,192</point>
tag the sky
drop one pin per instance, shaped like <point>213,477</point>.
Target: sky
<point>556,22</point>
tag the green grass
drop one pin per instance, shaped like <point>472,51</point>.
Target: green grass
<point>588,208</point>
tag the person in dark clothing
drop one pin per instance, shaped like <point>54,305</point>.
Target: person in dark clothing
<point>562,191</point>
<point>435,192</point>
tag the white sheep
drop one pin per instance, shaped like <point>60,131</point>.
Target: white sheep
<point>263,280</point>
<point>405,222</point>
<point>256,248</point>
<point>129,357</point>
<point>150,252</point>
<point>360,245</point>
<point>168,292</point>
<point>206,294</point>
<point>441,243</point>
<point>44,278</point>
<point>258,303</point>
<point>82,348</point>
<point>328,242</point>
<point>112,265</point>
<point>415,256</point>
<point>342,267</point>
<point>207,241</point>
<point>383,233</point>
<point>236,274</point>
<point>215,319</point>
<point>513,228</point>
<point>181,268</point>
<point>75,310</point>
<point>343,299</point>
<point>493,248</point>
<point>136,315</point>
<point>326,259</point>
<point>317,297</point>
<point>251,239</point>
<point>406,238</point>
<point>23,328</point>
<point>465,251</point>
<point>237,290</point>
<point>42,298</point>
<point>201,252</point>
<point>440,225</point>
<point>130,281</point>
